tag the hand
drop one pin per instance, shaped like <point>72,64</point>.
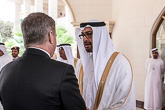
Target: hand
<point>87,108</point>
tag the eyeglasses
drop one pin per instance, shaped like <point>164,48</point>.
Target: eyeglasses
<point>87,34</point>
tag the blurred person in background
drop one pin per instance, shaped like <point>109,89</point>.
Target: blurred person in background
<point>153,88</point>
<point>15,52</point>
<point>4,56</point>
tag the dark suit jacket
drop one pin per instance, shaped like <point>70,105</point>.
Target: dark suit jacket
<point>36,82</point>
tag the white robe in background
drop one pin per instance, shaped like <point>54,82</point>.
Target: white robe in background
<point>5,58</point>
<point>70,59</point>
<point>68,53</point>
<point>3,61</point>
<point>153,89</point>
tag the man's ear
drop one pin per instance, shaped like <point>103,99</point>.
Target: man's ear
<point>50,37</point>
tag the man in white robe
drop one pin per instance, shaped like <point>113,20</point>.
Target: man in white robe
<point>65,55</point>
<point>4,56</point>
<point>96,48</point>
<point>153,89</point>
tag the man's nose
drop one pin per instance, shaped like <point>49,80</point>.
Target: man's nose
<point>84,38</point>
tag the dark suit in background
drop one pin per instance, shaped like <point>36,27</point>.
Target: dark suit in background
<point>36,82</point>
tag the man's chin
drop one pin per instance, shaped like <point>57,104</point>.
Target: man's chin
<point>155,57</point>
<point>88,50</point>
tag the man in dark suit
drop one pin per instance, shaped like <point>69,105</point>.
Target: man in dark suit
<point>34,81</point>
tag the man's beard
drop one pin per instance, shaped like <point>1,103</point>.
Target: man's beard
<point>14,55</point>
<point>155,57</point>
<point>88,46</point>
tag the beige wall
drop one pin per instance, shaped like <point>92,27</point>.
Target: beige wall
<point>131,34</point>
<point>85,10</point>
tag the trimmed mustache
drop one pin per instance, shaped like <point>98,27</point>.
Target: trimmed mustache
<point>87,43</point>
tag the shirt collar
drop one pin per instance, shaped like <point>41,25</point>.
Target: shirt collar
<point>41,50</point>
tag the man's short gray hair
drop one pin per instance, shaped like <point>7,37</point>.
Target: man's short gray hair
<point>36,27</point>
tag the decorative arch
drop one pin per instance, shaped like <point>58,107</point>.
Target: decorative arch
<point>155,28</point>
<point>71,10</point>
<point>158,41</point>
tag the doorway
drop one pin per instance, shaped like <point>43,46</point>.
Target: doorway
<point>158,41</point>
